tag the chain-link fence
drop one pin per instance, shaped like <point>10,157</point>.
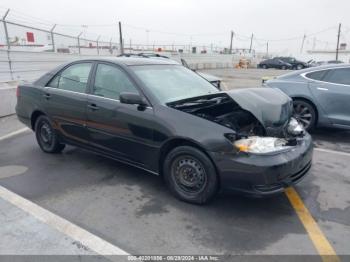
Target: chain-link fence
<point>20,37</point>
<point>26,52</point>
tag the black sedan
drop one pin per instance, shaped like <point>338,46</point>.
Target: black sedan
<point>274,63</point>
<point>162,117</point>
<point>296,64</point>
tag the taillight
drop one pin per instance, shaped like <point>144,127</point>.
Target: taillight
<point>17,91</point>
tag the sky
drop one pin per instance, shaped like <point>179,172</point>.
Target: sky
<point>282,23</point>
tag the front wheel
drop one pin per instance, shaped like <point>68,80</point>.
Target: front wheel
<point>305,113</point>
<point>46,136</point>
<point>283,67</point>
<point>190,175</point>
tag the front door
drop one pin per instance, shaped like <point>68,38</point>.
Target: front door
<point>121,130</point>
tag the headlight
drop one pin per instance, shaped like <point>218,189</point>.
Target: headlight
<point>256,144</point>
<point>294,127</point>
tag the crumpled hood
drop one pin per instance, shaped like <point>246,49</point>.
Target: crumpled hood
<point>270,106</point>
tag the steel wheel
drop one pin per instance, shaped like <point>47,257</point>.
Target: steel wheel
<point>46,136</point>
<point>304,113</point>
<point>189,174</point>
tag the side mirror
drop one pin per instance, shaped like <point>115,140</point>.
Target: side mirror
<point>132,99</point>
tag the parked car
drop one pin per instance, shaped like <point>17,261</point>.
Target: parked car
<point>274,63</point>
<point>318,63</point>
<point>212,79</point>
<point>320,95</point>
<point>163,118</point>
<point>296,64</point>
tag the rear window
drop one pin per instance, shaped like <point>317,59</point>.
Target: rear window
<point>318,75</point>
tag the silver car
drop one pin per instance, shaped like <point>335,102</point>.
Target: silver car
<point>321,95</point>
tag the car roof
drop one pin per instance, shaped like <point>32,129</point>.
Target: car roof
<point>132,61</point>
<point>314,68</point>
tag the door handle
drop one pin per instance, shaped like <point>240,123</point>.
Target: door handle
<point>322,88</point>
<point>47,96</point>
<point>93,107</point>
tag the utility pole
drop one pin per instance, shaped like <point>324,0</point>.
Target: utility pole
<point>251,44</point>
<point>302,44</point>
<point>337,51</point>
<point>97,45</point>
<point>267,49</point>
<point>121,39</point>
<point>231,42</point>
<point>147,32</point>
<point>52,38</point>
<point>79,42</point>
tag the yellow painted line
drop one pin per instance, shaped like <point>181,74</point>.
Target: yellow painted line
<point>317,237</point>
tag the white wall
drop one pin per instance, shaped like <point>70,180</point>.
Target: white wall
<point>7,100</point>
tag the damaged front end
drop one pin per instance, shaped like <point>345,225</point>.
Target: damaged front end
<point>260,118</point>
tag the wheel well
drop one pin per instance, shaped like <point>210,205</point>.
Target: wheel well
<point>311,103</point>
<point>34,117</point>
<point>170,145</point>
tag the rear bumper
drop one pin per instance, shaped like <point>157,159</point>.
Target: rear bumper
<point>264,174</point>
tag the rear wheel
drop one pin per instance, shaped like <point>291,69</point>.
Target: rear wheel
<point>190,175</point>
<point>305,113</point>
<point>46,136</point>
<point>264,66</point>
<point>299,66</point>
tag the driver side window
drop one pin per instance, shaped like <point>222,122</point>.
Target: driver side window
<point>110,81</point>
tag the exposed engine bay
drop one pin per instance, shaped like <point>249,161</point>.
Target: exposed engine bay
<point>250,112</point>
<point>225,111</point>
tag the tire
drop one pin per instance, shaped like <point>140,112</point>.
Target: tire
<point>46,136</point>
<point>299,66</point>
<point>264,66</point>
<point>305,113</point>
<point>190,175</point>
<point>283,67</point>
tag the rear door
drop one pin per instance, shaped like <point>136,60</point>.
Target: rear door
<point>66,99</point>
<point>332,91</point>
<point>122,130</point>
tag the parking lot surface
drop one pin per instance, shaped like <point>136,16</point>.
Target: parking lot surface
<point>134,211</point>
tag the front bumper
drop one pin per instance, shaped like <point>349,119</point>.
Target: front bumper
<point>264,174</point>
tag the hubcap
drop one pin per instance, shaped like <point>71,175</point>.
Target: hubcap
<point>303,114</point>
<point>189,174</point>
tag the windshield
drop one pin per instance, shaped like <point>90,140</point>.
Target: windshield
<point>173,82</point>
